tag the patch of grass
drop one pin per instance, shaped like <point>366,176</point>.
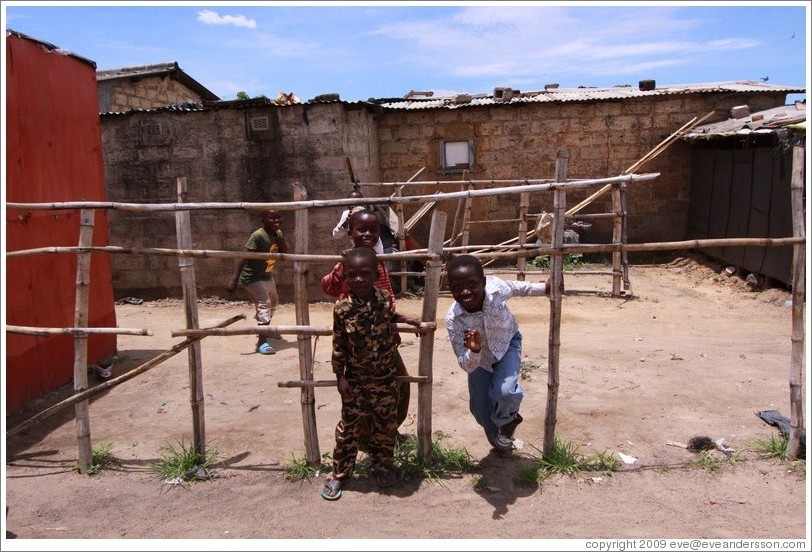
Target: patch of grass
<point>441,460</point>
<point>602,462</point>
<point>527,366</point>
<point>299,468</point>
<point>571,261</point>
<point>101,458</point>
<point>182,464</point>
<point>565,459</point>
<point>774,447</point>
<point>706,462</point>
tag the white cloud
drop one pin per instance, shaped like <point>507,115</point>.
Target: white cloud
<point>209,17</point>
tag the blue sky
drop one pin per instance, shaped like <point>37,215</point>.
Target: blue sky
<point>365,50</point>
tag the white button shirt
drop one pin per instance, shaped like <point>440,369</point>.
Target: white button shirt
<point>495,323</point>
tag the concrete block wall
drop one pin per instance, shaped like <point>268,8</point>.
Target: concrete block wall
<point>602,140</point>
<point>224,161</point>
<point>148,93</point>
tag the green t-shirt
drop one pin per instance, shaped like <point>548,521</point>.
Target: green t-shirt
<point>255,270</point>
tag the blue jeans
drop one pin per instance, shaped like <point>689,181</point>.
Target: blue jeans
<point>494,397</point>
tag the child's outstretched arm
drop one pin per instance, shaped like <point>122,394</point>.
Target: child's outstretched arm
<point>332,283</point>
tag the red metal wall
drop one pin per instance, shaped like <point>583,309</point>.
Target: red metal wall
<point>53,153</point>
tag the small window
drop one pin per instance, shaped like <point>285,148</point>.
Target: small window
<point>259,124</point>
<point>152,130</point>
<point>153,133</point>
<point>457,156</point>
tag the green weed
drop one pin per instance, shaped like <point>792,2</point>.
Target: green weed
<point>571,261</point>
<point>707,462</point>
<point>101,458</point>
<point>299,468</point>
<point>565,459</point>
<point>774,447</point>
<point>182,464</point>
<point>440,461</point>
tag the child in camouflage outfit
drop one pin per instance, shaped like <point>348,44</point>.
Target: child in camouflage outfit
<point>364,347</point>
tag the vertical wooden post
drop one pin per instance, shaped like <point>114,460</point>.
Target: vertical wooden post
<point>617,237</point>
<point>453,238</point>
<point>624,237</point>
<point>81,409</point>
<point>466,218</point>
<point>431,292</point>
<point>197,398</point>
<point>557,283</point>
<point>401,235</point>
<point>307,394</point>
<point>797,424</point>
<point>524,205</point>
<point>404,279</point>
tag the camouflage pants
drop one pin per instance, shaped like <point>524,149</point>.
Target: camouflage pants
<point>374,405</point>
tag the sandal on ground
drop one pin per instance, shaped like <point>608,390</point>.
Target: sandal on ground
<point>384,478</point>
<point>265,349</point>
<point>331,489</point>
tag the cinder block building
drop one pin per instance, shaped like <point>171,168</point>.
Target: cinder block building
<point>251,151</point>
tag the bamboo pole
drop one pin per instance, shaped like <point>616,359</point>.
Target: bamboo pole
<point>494,221</point>
<point>624,237</point>
<point>422,254</point>
<point>333,383</point>
<point>80,340</point>
<point>797,423</point>
<point>557,283</point>
<point>404,227</point>
<point>457,213</point>
<point>183,230</point>
<point>202,253</point>
<point>533,185</point>
<point>434,269</point>
<point>308,330</point>
<point>617,237</point>
<point>47,332</point>
<point>524,206</point>
<point>307,396</point>
<point>109,384</point>
<point>466,217</point>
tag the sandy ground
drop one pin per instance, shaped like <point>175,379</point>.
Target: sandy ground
<point>689,353</point>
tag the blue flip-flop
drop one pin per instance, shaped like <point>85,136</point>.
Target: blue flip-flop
<point>265,349</point>
<point>331,489</point>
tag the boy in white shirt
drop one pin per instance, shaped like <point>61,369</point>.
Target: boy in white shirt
<point>488,345</point>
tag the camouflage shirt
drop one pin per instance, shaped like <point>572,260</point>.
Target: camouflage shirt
<point>364,341</point>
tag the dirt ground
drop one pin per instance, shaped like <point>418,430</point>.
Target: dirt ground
<point>690,352</point>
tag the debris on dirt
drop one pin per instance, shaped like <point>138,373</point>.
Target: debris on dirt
<point>699,443</point>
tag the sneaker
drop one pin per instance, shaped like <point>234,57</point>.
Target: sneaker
<point>510,428</point>
<point>502,442</point>
<point>265,349</point>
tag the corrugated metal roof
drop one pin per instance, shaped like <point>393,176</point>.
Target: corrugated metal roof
<point>763,122</point>
<point>50,47</point>
<point>137,71</point>
<point>581,94</point>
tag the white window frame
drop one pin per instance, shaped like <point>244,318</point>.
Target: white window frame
<point>456,155</point>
